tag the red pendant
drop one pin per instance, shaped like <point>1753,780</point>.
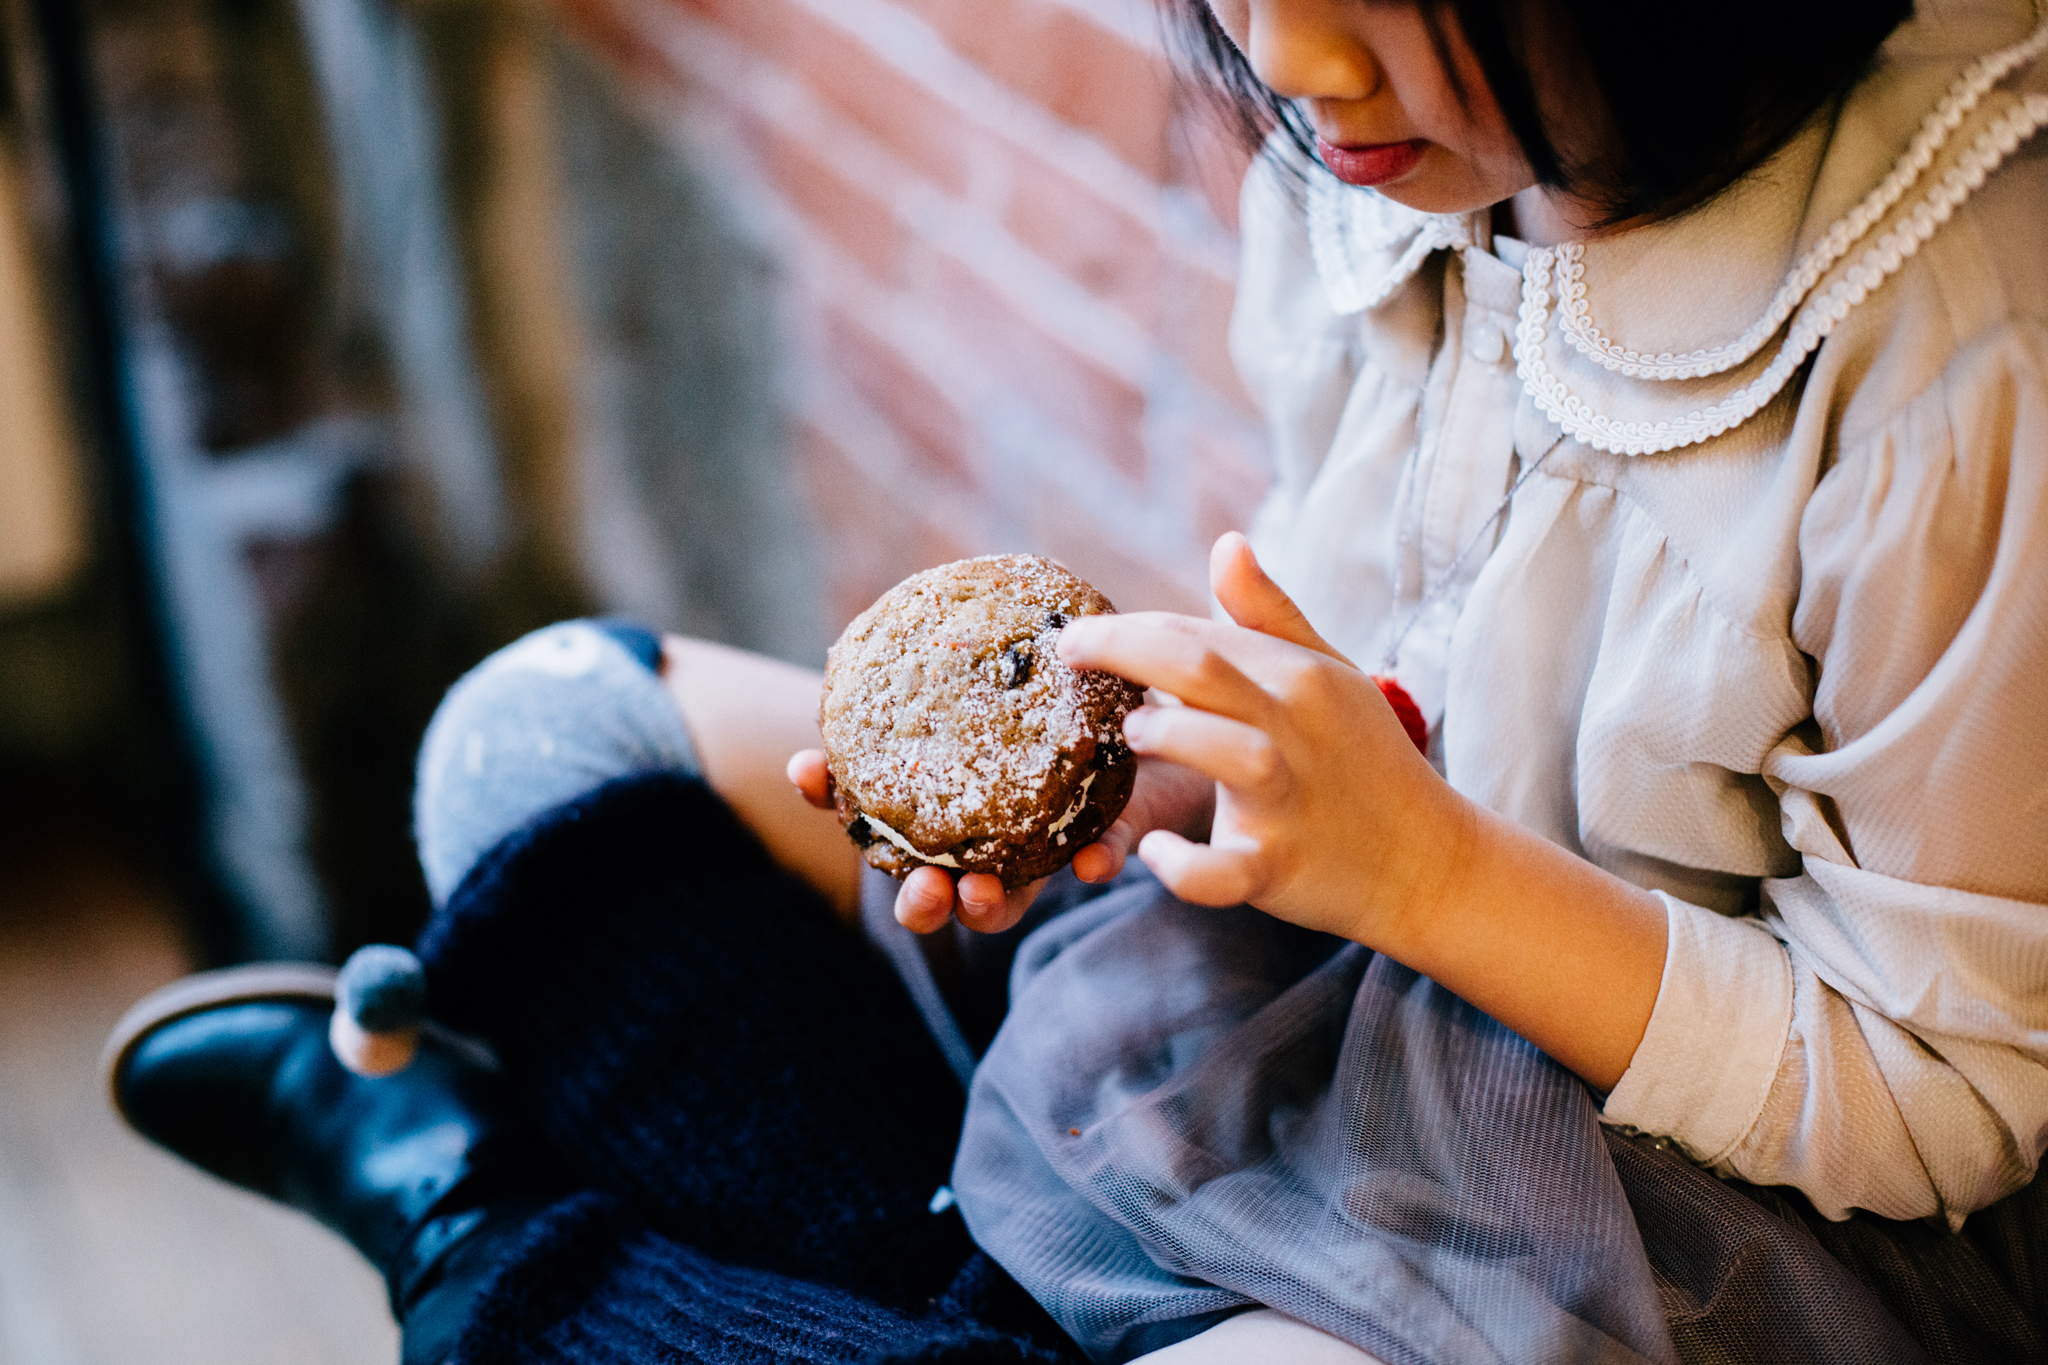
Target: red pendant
<point>1405,708</point>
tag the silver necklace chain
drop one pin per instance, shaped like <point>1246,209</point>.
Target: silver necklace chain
<point>1450,573</point>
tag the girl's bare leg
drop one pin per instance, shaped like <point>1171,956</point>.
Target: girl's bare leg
<point>747,714</point>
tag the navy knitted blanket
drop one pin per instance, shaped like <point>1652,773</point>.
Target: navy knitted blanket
<point>750,1120</point>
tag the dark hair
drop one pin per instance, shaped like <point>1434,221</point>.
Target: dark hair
<point>1694,102</point>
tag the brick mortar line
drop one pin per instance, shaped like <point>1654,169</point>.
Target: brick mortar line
<point>834,407</point>
<point>1134,21</point>
<point>878,451</point>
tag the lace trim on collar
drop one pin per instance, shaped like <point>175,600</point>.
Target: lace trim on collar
<point>1816,319</point>
<point>1348,226</point>
<point>1575,320</point>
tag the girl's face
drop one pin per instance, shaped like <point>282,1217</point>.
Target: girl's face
<point>1384,103</point>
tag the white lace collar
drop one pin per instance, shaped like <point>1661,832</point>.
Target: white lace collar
<point>1636,400</point>
<point>1366,246</point>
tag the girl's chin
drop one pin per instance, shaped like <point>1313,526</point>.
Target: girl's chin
<point>1427,198</point>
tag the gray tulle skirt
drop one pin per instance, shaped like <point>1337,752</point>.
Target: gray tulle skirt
<point>1188,1112</point>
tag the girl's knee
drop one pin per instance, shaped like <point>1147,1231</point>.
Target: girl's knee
<point>542,721</point>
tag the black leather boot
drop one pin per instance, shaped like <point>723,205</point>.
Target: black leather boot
<point>420,1170</point>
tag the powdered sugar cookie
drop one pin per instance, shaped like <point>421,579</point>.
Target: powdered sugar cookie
<point>956,736</point>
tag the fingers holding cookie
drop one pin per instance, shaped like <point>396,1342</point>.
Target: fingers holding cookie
<point>1229,871</point>
<point>1214,666</point>
<point>811,776</point>
<point>1167,796</point>
<point>929,898</point>
<point>925,901</point>
<point>1242,757</point>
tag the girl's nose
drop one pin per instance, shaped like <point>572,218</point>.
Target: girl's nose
<point>1303,50</point>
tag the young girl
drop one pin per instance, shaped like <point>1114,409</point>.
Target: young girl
<point>1667,415</point>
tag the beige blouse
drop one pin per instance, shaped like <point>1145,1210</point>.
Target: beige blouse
<point>1764,628</point>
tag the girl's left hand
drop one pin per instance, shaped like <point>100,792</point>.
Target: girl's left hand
<point>1166,796</point>
<point>929,896</point>
<point>1326,815</point>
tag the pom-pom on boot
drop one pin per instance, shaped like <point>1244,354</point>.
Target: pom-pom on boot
<point>419,1169</point>
<point>380,1001</point>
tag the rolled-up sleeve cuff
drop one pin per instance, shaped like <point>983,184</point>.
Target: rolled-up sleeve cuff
<point>1718,1030</point>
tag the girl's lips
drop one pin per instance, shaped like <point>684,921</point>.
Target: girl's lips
<point>1373,164</point>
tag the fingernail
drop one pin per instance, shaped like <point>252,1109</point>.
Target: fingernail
<point>1138,728</point>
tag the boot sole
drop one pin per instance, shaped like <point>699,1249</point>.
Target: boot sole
<point>308,982</point>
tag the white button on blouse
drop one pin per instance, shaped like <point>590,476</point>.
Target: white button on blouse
<point>1488,343</point>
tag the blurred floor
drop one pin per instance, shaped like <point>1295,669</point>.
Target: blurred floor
<point>112,1252</point>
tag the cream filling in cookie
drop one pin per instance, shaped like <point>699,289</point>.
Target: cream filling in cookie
<point>1080,800</point>
<point>943,860</point>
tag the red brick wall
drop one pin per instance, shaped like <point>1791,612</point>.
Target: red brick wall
<point>1010,254</point>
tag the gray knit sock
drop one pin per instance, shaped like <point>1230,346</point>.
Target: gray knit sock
<point>544,720</point>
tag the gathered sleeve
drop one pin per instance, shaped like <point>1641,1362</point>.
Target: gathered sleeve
<point>1893,1050</point>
